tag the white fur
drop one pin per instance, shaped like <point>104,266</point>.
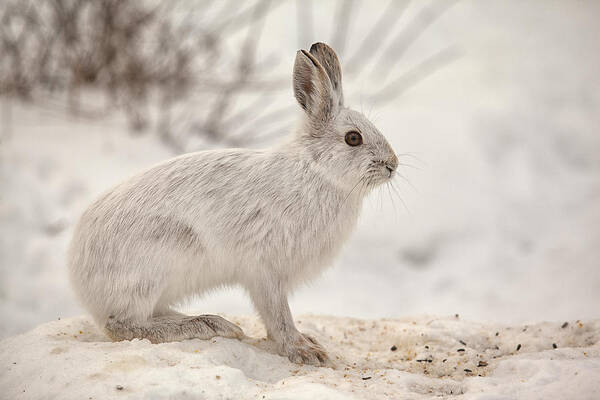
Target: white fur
<point>267,220</point>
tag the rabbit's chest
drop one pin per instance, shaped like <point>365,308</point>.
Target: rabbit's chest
<point>314,244</point>
<point>294,232</point>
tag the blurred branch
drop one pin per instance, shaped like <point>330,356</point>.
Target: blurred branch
<point>246,114</point>
<point>423,70</point>
<point>304,16</point>
<point>282,117</point>
<point>6,120</point>
<point>341,23</point>
<point>198,71</point>
<point>410,34</point>
<point>213,126</point>
<point>376,36</point>
<point>230,25</point>
<point>132,51</point>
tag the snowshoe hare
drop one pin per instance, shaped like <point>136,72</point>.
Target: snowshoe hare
<point>266,220</point>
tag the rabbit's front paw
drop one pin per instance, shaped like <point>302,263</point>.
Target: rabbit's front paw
<point>306,350</point>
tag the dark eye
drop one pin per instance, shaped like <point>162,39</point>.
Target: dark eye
<point>353,138</point>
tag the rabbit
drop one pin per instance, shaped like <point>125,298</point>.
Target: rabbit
<point>266,220</point>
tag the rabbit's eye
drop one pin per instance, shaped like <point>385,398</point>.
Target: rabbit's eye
<point>353,138</point>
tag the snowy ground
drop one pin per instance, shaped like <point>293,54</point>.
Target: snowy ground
<point>420,358</point>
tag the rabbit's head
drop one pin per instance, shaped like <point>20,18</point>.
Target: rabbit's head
<point>343,144</point>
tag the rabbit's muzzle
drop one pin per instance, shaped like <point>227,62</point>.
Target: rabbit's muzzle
<point>388,167</point>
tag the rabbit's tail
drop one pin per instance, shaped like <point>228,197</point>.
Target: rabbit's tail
<point>172,328</point>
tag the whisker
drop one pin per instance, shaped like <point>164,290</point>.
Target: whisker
<point>410,166</point>
<point>397,191</point>
<point>388,185</point>
<point>411,155</point>
<point>380,200</point>
<point>405,179</point>
<point>351,190</point>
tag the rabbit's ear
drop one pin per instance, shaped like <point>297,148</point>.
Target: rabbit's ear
<point>312,87</point>
<point>330,63</point>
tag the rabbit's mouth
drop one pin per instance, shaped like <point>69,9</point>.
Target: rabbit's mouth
<point>391,171</point>
<point>379,172</point>
<point>385,169</point>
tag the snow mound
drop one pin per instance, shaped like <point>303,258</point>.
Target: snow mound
<point>422,357</point>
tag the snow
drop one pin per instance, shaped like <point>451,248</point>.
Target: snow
<point>71,359</point>
<point>501,224</point>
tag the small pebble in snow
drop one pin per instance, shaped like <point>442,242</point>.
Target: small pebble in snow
<point>497,333</point>
<point>518,347</point>
<point>119,387</point>
<point>564,325</point>
<point>554,346</point>
<point>459,350</point>
<point>467,370</point>
<point>456,315</point>
<point>218,377</point>
<point>366,378</point>
<point>462,342</point>
<point>393,348</point>
<point>482,364</point>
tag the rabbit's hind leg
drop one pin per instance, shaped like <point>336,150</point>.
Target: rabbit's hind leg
<point>172,328</point>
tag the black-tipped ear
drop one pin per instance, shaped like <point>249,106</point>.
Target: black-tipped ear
<point>312,87</point>
<point>329,60</point>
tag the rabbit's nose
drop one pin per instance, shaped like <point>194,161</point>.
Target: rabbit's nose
<point>392,163</point>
